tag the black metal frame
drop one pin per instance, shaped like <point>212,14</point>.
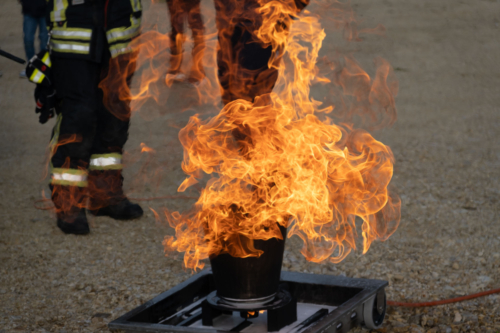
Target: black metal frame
<point>347,294</point>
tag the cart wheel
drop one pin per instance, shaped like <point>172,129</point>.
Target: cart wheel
<point>373,316</point>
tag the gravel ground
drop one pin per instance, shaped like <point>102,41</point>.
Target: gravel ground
<point>445,54</point>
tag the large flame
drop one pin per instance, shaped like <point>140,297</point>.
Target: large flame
<point>274,161</point>
<point>280,159</point>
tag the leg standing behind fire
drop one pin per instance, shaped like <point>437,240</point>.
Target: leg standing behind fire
<point>88,138</point>
<point>180,10</point>
<point>242,59</point>
<point>33,18</point>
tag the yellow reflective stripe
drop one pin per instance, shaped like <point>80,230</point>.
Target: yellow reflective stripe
<point>72,33</point>
<point>46,59</point>
<point>70,47</point>
<point>67,178</point>
<point>115,155</point>
<point>71,177</point>
<point>73,172</point>
<point>37,76</point>
<point>118,49</point>
<point>136,5</point>
<point>106,161</point>
<point>59,12</point>
<point>117,34</point>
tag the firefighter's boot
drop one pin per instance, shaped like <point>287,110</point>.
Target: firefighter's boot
<point>107,197</point>
<point>69,202</point>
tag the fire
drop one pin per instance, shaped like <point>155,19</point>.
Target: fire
<point>281,159</point>
<point>286,166</point>
<point>149,63</point>
<point>146,149</point>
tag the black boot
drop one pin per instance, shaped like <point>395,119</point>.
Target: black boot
<point>107,197</point>
<point>123,210</point>
<point>73,224</point>
<point>69,202</point>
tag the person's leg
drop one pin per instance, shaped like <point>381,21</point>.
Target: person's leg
<point>225,62</point>
<point>105,176</point>
<point>43,35</point>
<point>195,22</point>
<point>76,84</point>
<point>29,30</point>
<point>254,77</point>
<point>242,60</point>
<point>177,16</point>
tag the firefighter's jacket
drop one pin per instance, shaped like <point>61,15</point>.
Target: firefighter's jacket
<point>84,28</point>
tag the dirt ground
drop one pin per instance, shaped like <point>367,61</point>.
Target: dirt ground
<point>446,144</point>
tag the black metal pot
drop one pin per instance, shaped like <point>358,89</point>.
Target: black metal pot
<point>252,279</point>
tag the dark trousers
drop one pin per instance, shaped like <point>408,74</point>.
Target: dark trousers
<point>86,126</point>
<point>242,60</point>
<point>180,10</point>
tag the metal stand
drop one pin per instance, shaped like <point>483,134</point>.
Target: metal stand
<point>325,303</point>
<point>281,310</point>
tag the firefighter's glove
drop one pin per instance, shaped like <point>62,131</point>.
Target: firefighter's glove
<point>38,71</point>
<point>45,102</point>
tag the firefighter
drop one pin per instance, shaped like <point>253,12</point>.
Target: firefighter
<point>88,138</point>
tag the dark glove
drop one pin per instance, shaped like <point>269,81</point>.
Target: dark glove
<point>38,71</point>
<point>45,102</point>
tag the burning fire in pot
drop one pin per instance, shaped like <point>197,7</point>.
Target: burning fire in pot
<point>279,165</point>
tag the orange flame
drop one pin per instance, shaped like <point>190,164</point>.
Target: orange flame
<point>150,62</point>
<point>146,149</point>
<point>278,158</point>
<point>274,160</point>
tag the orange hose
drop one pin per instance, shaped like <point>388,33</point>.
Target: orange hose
<point>445,301</point>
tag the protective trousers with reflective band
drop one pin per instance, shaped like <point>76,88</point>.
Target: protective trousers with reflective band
<point>111,161</point>
<point>87,135</point>
<point>84,29</point>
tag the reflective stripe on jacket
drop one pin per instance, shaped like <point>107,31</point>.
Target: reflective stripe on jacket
<point>84,28</point>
